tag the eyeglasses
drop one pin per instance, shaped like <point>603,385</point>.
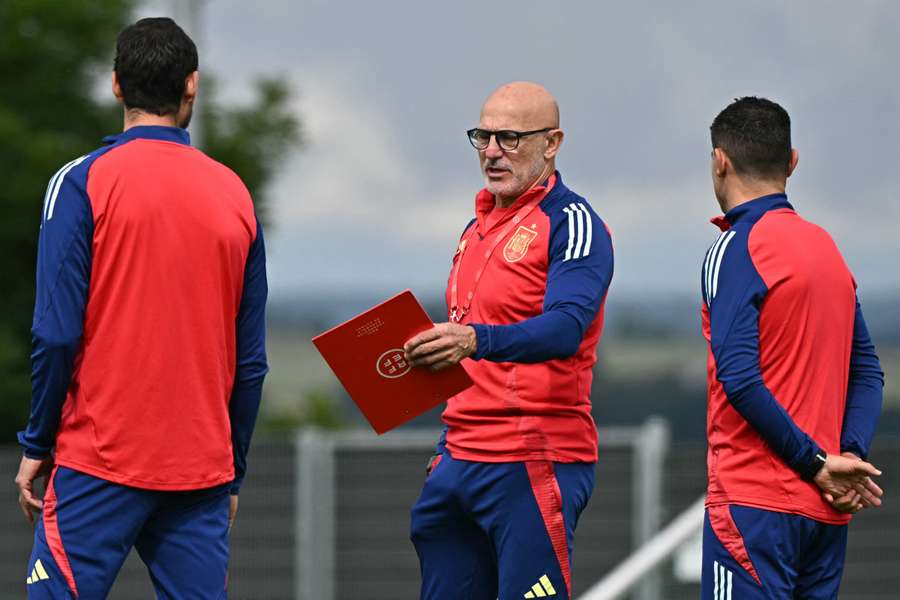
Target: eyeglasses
<point>506,139</point>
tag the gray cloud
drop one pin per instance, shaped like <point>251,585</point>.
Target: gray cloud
<point>386,182</point>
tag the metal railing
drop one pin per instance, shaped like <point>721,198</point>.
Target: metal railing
<point>631,572</point>
<point>316,492</point>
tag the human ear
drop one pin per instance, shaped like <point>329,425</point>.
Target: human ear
<point>190,86</point>
<point>554,141</point>
<point>721,162</point>
<point>795,158</point>
<point>116,88</point>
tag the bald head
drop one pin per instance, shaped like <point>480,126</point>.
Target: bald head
<point>522,161</point>
<point>520,106</point>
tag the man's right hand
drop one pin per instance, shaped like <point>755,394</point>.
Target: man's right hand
<point>443,345</point>
<point>29,470</point>
<point>846,483</point>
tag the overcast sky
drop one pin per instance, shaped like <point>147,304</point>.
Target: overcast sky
<point>385,182</point>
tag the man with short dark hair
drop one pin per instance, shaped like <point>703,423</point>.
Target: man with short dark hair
<point>148,345</point>
<point>795,386</point>
<point>515,466</point>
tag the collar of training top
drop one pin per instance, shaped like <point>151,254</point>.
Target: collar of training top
<point>151,132</point>
<point>484,200</point>
<point>751,210</point>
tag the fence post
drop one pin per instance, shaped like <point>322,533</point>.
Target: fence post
<point>314,496</point>
<point>651,446</point>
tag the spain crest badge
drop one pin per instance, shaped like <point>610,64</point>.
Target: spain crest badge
<point>517,246</point>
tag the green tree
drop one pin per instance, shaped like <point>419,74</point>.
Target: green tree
<point>252,139</point>
<point>52,56</point>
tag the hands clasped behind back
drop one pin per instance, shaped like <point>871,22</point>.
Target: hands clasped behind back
<point>846,483</point>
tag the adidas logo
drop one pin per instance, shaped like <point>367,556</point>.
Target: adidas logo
<point>541,589</point>
<point>38,573</point>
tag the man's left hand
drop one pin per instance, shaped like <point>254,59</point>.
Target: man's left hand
<point>443,345</point>
<point>30,469</point>
<point>844,476</point>
<point>863,495</point>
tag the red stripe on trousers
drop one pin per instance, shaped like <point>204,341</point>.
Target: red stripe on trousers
<point>549,498</point>
<point>54,541</point>
<point>730,537</point>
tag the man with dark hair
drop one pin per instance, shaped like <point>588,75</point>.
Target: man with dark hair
<point>154,58</point>
<point>795,386</point>
<point>755,133</point>
<point>148,345</point>
<point>515,466</point>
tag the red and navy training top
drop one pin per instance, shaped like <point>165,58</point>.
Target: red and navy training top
<point>148,351</point>
<point>792,371</point>
<point>537,311</point>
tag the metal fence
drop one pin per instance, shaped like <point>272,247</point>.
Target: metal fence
<point>355,491</point>
<point>329,514</point>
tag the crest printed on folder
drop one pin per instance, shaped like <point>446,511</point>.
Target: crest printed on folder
<point>517,246</point>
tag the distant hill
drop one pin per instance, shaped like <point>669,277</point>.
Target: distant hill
<point>630,316</point>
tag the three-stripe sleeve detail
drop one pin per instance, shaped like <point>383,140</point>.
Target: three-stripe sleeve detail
<point>50,187</point>
<point>55,184</point>
<point>581,230</point>
<point>713,263</point>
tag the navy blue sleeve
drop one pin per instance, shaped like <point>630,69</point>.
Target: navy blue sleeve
<point>578,276</point>
<point>251,357</point>
<point>63,277</point>
<point>734,293</point>
<point>864,391</point>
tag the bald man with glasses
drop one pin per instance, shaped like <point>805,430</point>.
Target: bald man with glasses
<point>514,467</point>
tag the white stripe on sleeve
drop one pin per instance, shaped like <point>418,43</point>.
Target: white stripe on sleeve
<point>707,271</point>
<point>568,212</point>
<point>703,273</point>
<point>589,226</point>
<point>59,180</point>
<point>580,240</point>
<point>715,277</point>
<point>52,184</point>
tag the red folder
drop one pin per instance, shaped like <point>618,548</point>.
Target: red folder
<point>366,354</point>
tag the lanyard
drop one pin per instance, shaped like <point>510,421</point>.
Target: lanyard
<point>457,313</point>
